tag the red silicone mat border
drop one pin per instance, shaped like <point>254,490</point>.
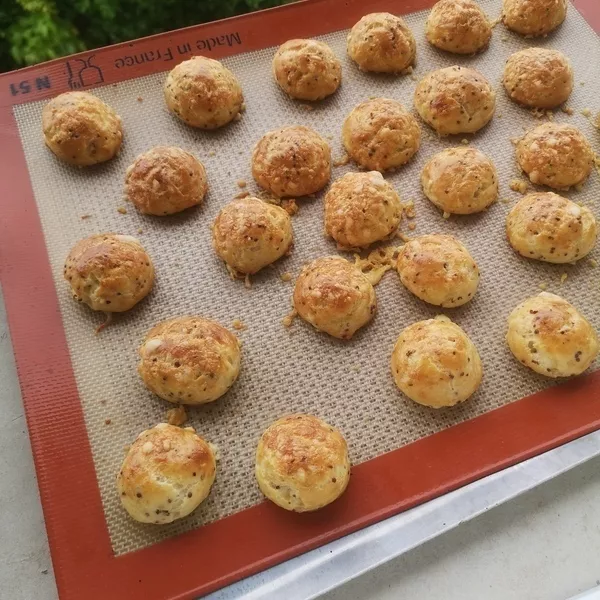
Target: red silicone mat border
<point>222,552</point>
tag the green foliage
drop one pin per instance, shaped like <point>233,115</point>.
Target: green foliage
<point>32,31</point>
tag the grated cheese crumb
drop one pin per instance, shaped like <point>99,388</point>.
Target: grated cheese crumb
<point>122,210</point>
<point>290,206</point>
<point>505,200</point>
<point>593,262</point>
<point>377,263</point>
<point>518,185</point>
<point>215,450</point>
<point>563,278</point>
<point>289,319</point>
<point>286,277</point>
<point>343,160</point>
<point>543,285</point>
<point>242,183</point>
<point>567,109</point>
<point>538,113</point>
<point>465,142</point>
<point>586,112</point>
<point>446,215</point>
<point>412,226</point>
<point>176,416</point>
<point>140,230</point>
<point>239,325</point>
<point>212,153</point>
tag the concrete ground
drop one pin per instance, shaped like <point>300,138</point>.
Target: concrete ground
<point>544,545</point>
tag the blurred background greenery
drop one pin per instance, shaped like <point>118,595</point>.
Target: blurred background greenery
<point>32,31</point>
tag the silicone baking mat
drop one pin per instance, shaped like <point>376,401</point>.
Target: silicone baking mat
<point>84,400</point>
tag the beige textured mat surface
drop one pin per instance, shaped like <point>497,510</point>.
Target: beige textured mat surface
<point>348,384</point>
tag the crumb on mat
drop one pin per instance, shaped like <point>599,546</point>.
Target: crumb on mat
<point>518,185</point>
<point>341,161</point>
<point>176,416</point>
<point>289,318</point>
<point>290,206</point>
<point>239,325</point>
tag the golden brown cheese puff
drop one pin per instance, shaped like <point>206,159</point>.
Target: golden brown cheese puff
<point>165,180</point>
<point>302,463</point>
<point>291,161</point>
<point>439,270</point>
<point>455,100</point>
<point>166,474</point>
<point>109,272</point>
<point>334,296</point>
<point>461,181</point>
<point>533,17</point>
<point>551,228</point>
<point>556,155</point>
<point>361,208</point>
<point>458,26</point>
<point>436,364</point>
<point>81,129</point>
<point>249,234</point>
<point>203,93</point>
<point>550,336</point>
<point>307,69</point>
<point>538,77</point>
<point>382,43</point>
<point>381,134</point>
<point>189,360</point>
